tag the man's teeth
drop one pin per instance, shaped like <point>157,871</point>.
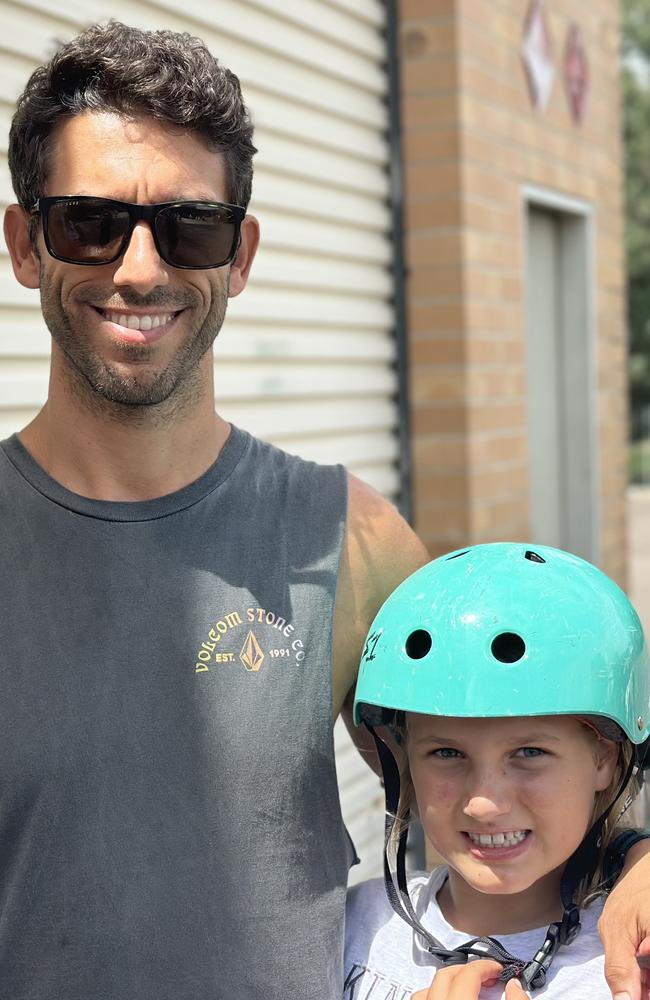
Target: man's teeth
<point>498,839</point>
<point>145,322</point>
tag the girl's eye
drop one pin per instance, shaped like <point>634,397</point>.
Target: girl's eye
<point>528,752</point>
<point>446,753</point>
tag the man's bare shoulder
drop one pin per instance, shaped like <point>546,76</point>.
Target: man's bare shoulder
<point>378,537</point>
<point>380,551</point>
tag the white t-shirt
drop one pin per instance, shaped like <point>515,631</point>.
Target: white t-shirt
<point>386,960</point>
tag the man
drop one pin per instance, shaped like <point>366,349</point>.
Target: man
<point>183,606</point>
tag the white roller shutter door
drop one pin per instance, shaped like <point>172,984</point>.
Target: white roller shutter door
<point>307,354</point>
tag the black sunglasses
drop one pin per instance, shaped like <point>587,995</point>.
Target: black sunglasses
<point>191,234</point>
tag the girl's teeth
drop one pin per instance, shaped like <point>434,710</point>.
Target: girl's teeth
<point>498,839</point>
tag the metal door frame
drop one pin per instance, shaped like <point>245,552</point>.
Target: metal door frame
<point>578,303</point>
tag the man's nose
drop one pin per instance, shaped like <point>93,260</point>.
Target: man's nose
<point>141,266</point>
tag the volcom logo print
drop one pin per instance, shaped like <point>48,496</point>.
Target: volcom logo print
<point>252,654</point>
<point>268,635</point>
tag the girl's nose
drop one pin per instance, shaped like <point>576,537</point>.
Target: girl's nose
<point>489,798</point>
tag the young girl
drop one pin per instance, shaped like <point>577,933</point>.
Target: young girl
<point>517,680</point>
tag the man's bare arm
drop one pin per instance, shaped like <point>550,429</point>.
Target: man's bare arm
<point>625,927</point>
<point>380,551</point>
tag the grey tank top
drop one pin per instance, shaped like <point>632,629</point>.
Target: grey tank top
<point>169,818</point>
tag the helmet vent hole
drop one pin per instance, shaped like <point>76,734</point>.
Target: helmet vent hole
<point>534,557</point>
<point>508,647</point>
<point>457,555</point>
<point>418,644</point>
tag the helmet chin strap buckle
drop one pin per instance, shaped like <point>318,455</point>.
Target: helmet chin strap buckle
<point>533,974</point>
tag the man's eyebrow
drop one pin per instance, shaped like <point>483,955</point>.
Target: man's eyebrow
<point>172,198</point>
<point>196,197</point>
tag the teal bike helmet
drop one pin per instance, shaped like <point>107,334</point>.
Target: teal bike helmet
<point>506,629</point>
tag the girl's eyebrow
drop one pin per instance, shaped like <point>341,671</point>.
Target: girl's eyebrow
<point>538,736</point>
<point>522,739</point>
<point>432,738</point>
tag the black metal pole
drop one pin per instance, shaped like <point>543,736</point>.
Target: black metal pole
<point>399,258</point>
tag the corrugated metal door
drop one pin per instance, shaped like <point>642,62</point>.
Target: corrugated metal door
<point>306,357</point>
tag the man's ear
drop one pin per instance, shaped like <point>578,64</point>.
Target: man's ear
<point>24,259</point>
<point>241,265</point>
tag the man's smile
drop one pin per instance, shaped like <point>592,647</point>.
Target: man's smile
<point>138,321</point>
<point>144,326</point>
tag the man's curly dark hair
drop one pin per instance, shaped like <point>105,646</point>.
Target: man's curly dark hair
<point>167,76</point>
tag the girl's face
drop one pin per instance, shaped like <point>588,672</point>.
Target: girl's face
<point>506,801</point>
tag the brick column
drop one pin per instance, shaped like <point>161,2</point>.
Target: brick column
<point>472,140</point>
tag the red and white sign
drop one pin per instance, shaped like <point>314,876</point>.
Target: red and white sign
<point>537,55</point>
<point>576,73</point>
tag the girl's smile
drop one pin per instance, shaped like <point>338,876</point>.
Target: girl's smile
<point>498,846</point>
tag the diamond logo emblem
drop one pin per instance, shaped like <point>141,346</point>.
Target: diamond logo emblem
<point>251,653</point>
<point>537,55</point>
<point>576,73</point>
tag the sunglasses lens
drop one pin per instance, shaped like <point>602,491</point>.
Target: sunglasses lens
<point>89,231</point>
<point>196,235</point>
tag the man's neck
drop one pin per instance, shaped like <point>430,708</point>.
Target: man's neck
<point>124,460</point>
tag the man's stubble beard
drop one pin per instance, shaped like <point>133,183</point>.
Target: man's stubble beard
<point>156,400</point>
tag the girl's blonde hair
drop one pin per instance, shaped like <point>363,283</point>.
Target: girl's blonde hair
<point>595,884</point>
